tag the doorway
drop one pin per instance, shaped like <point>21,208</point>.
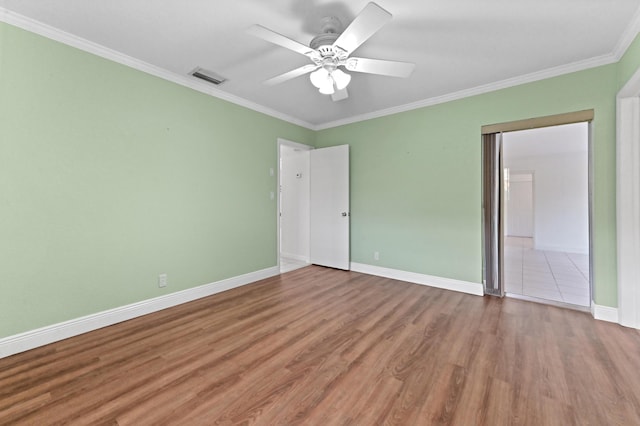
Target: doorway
<point>313,225</point>
<point>540,212</point>
<point>627,205</point>
<point>293,205</point>
<point>519,199</point>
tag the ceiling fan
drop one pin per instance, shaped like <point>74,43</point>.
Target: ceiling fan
<point>330,51</point>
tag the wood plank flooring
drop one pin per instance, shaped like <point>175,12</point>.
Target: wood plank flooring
<point>319,346</point>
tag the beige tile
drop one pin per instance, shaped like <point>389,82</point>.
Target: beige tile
<point>543,285</point>
<point>543,294</point>
<point>538,276</point>
<point>582,300</point>
<point>513,287</point>
<point>535,267</point>
<point>547,275</point>
<point>567,270</point>
<point>573,284</point>
<point>578,277</point>
<point>577,291</point>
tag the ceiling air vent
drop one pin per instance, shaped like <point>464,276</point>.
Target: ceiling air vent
<point>208,76</point>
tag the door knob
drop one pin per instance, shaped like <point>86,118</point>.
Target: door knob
<point>344,214</point>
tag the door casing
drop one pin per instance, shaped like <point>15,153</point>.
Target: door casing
<point>548,121</point>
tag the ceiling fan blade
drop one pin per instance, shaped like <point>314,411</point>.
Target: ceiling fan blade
<point>275,38</point>
<point>379,66</point>
<point>291,74</point>
<point>367,23</point>
<point>339,95</point>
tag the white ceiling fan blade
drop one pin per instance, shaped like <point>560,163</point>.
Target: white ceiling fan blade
<point>275,38</point>
<point>291,74</point>
<point>339,95</point>
<point>367,23</point>
<point>379,66</point>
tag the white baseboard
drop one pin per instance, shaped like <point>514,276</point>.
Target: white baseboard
<point>413,277</point>
<point>43,336</point>
<point>577,250</point>
<point>298,257</point>
<point>604,313</point>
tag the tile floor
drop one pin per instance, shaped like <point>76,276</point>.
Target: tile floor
<point>287,264</point>
<point>551,275</point>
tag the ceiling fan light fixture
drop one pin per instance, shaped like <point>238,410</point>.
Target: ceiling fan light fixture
<point>328,81</point>
<point>327,88</point>
<point>320,77</point>
<point>341,78</point>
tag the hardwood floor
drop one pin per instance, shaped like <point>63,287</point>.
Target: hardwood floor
<point>325,347</point>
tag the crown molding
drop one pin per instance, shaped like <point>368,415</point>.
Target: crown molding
<point>478,90</point>
<point>53,33</point>
<point>80,43</point>
<point>619,50</point>
<point>628,36</point>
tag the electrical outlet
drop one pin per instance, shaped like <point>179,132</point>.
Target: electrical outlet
<point>376,255</point>
<point>162,280</point>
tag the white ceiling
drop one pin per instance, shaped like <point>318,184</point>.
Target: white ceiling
<point>457,46</point>
<point>568,138</point>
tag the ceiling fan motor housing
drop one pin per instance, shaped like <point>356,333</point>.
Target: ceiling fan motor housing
<point>323,43</point>
<point>330,24</point>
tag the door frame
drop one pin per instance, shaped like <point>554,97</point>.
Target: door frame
<point>532,173</point>
<point>628,202</point>
<point>283,142</point>
<point>534,123</point>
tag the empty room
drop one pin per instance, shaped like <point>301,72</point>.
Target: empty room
<point>310,212</point>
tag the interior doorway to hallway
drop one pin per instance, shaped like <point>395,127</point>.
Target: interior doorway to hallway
<point>293,205</point>
<point>313,206</point>
<point>546,214</point>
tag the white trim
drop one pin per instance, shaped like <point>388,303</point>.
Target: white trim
<point>80,43</point>
<point>577,250</point>
<point>69,39</point>
<point>478,90</point>
<point>631,89</point>
<point>297,257</point>
<point>628,201</point>
<point>604,313</point>
<point>413,277</point>
<point>280,143</point>
<point>293,144</point>
<point>628,36</point>
<point>43,336</point>
<point>619,50</point>
<point>548,302</point>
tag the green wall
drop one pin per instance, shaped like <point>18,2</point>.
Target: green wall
<point>629,63</point>
<point>416,177</point>
<point>109,176</point>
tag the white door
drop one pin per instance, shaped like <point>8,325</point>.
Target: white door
<point>329,238</point>
<point>520,206</point>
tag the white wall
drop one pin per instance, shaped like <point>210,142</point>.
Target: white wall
<point>519,205</point>
<point>294,203</point>
<point>561,191</point>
